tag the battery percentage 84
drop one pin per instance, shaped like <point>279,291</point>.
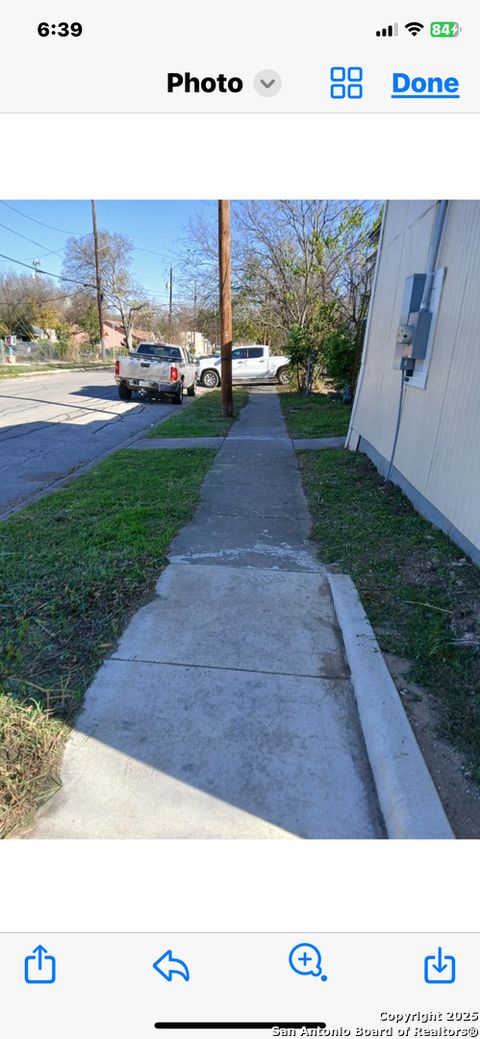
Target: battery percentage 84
<point>444,30</point>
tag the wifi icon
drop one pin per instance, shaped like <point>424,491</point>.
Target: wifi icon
<point>414,28</point>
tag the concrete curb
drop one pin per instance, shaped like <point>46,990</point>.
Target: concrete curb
<point>408,798</point>
<point>58,371</point>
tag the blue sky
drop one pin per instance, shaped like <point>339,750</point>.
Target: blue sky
<point>158,226</point>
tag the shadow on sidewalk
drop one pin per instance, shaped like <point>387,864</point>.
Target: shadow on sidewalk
<point>226,710</point>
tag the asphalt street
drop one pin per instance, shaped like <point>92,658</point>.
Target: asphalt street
<point>52,424</point>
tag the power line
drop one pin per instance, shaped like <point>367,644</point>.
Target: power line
<point>55,299</point>
<point>76,234</point>
<point>58,252</point>
<point>38,256</point>
<point>74,281</point>
<point>42,224</point>
<point>49,274</point>
<point>153,252</point>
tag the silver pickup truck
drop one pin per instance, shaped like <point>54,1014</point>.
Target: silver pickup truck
<point>252,363</point>
<point>156,370</point>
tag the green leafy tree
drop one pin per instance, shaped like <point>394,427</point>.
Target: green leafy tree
<point>208,322</point>
<point>63,344</point>
<point>303,356</point>
<point>89,323</point>
<point>339,354</point>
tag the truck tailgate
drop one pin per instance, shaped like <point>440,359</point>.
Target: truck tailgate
<point>145,368</point>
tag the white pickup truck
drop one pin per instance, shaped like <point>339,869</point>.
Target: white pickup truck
<point>155,370</point>
<point>252,363</point>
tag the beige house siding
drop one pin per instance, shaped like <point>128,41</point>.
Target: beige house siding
<point>437,458</point>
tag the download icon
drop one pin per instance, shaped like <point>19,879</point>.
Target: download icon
<point>439,969</point>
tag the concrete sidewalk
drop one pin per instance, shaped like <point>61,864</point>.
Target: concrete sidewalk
<point>227,709</point>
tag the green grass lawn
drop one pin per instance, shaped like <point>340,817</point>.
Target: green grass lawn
<point>14,371</point>
<point>202,418</point>
<point>421,594</point>
<point>314,416</point>
<point>75,565</point>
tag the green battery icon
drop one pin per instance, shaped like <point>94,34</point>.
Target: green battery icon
<point>444,30</point>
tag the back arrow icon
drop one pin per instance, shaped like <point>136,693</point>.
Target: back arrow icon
<point>167,966</point>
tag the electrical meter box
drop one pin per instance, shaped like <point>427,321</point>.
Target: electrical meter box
<point>412,296</point>
<point>414,325</point>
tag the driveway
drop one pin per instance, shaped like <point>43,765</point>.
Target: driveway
<point>51,424</point>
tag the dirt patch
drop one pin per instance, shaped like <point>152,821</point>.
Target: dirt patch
<point>448,767</point>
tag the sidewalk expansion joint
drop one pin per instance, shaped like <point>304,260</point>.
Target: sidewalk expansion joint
<point>245,437</point>
<point>322,676</point>
<point>203,560</point>
<point>255,515</point>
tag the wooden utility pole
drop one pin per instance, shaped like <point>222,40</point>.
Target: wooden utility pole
<point>194,330</point>
<point>226,332</point>
<point>99,284</point>
<point>170,305</point>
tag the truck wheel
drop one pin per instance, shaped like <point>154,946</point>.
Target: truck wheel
<point>283,376</point>
<point>124,392</point>
<point>178,396</point>
<point>192,389</point>
<point>211,378</point>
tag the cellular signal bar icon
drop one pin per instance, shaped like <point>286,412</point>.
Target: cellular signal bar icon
<point>390,30</point>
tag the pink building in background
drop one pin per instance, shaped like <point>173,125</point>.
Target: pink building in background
<point>113,336</point>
